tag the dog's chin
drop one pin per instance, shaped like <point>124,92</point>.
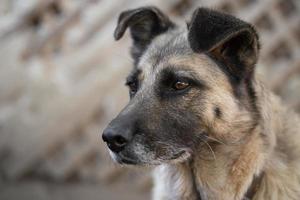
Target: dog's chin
<point>120,159</point>
<point>176,158</point>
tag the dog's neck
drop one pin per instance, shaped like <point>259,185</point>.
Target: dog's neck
<point>248,195</point>
<point>235,170</point>
<point>231,171</point>
<point>230,174</point>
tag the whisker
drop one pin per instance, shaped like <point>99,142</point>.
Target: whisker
<point>200,136</point>
<point>211,150</point>
<point>214,139</point>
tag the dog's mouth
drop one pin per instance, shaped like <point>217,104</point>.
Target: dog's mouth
<point>179,157</point>
<point>121,159</point>
<point>127,161</point>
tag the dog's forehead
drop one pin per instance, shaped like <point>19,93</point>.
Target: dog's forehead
<point>171,44</point>
<point>173,50</point>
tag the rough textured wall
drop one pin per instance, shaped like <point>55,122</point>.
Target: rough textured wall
<point>61,81</point>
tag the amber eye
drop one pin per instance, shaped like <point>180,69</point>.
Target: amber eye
<point>180,85</point>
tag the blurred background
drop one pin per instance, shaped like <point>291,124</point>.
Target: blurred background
<point>62,80</point>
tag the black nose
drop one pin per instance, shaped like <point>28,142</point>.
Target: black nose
<point>116,139</point>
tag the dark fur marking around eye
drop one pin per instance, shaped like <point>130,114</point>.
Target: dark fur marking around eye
<point>169,76</point>
<point>174,73</point>
<point>133,76</point>
<point>133,82</point>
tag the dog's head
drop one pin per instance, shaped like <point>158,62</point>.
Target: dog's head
<point>189,85</point>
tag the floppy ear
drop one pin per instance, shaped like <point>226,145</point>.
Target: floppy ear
<point>145,23</point>
<point>231,41</point>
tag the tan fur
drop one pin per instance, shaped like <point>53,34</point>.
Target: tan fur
<point>214,137</point>
<point>273,148</point>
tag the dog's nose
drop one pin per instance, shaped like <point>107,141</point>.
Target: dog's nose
<point>114,139</point>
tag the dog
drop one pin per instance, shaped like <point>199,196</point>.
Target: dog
<point>200,114</point>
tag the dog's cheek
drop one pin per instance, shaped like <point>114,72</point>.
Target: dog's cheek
<point>224,117</point>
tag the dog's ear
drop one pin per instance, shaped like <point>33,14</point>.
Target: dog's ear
<point>231,41</point>
<point>144,23</point>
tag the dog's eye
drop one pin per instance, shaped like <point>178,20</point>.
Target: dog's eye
<point>133,87</point>
<point>180,85</point>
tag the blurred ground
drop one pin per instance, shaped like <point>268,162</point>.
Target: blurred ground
<point>46,191</point>
<point>61,81</point>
